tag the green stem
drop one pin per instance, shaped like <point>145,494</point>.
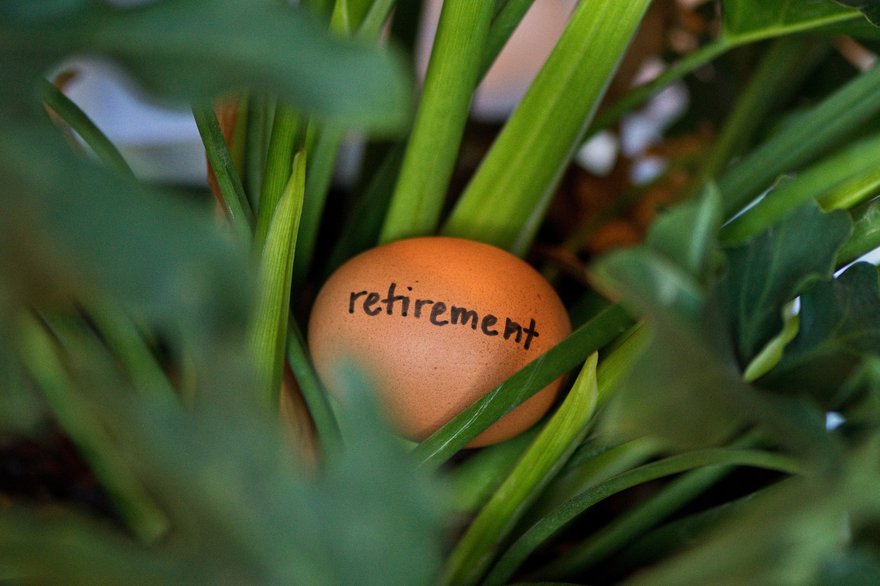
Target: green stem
<point>865,236</point>
<point>234,199</point>
<point>687,64</point>
<point>439,124</point>
<point>551,524</point>
<point>80,122</point>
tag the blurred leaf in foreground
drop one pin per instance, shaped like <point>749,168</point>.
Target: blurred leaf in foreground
<point>241,508</point>
<point>870,8</point>
<point>194,50</point>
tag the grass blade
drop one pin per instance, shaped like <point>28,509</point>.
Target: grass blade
<point>269,329</point>
<point>541,462</point>
<point>539,373</point>
<point>235,201</point>
<point>843,113</point>
<point>281,146</point>
<point>508,196</point>
<point>430,156</point>
<point>549,525</point>
<point>836,181</point>
<point>90,437</point>
<point>80,122</point>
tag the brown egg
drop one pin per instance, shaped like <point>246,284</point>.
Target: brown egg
<point>434,324</point>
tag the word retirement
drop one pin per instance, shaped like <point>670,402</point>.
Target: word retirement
<point>372,305</point>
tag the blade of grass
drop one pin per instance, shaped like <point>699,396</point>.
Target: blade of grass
<point>839,179</point>
<point>313,391</point>
<point>477,479</point>
<point>235,201</point>
<point>637,521</point>
<point>278,165</point>
<point>85,431</point>
<point>539,464</point>
<point>80,122</point>
<point>802,141</point>
<point>504,23</point>
<point>323,149</point>
<point>269,328</point>
<point>259,119</point>
<point>536,375</point>
<point>439,124</point>
<point>551,524</point>
<point>507,198</point>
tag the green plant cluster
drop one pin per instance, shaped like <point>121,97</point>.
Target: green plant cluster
<point>723,426</point>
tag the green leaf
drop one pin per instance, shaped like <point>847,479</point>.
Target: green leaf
<point>508,196</point>
<point>538,465</point>
<point>772,268</point>
<point>688,234</point>
<point>841,180</point>
<point>865,236</point>
<point>536,375</point>
<point>269,329</point>
<point>755,19</point>
<point>775,539</point>
<point>841,114</point>
<point>562,516</point>
<point>839,323</point>
<point>687,367</point>
<point>870,8</point>
<point>225,46</point>
<point>439,124</point>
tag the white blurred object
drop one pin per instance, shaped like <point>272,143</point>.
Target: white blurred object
<point>160,143</point>
<point>599,154</point>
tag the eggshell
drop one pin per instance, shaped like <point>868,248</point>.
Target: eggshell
<point>428,373</point>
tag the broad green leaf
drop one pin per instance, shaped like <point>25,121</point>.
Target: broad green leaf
<point>538,465</point>
<point>772,268</point>
<point>688,235</point>
<point>508,196</point>
<point>839,323</point>
<point>536,375</point>
<point>223,46</point>
<point>687,367</point>
<point>755,19</point>
<point>433,144</point>
<point>870,8</point>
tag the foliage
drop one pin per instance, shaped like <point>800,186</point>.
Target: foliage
<point>724,427</point>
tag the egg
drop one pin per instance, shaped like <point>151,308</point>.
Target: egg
<point>433,324</point>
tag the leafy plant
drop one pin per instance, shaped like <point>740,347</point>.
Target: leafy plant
<point>725,423</point>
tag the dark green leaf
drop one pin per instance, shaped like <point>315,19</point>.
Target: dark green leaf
<point>870,8</point>
<point>687,368</point>
<point>744,19</point>
<point>214,48</point>
<point>839,323</point>
<point>774,267</point>
<point>688,234</point>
